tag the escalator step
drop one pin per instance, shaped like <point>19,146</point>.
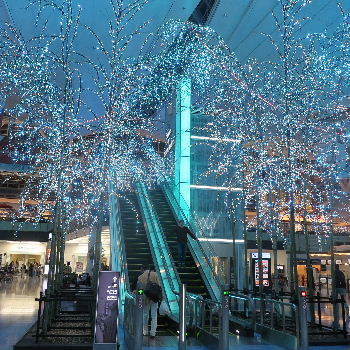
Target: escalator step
<point>190,273</point>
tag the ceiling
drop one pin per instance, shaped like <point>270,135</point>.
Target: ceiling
<point>96,14</point>
<point>242,22</point>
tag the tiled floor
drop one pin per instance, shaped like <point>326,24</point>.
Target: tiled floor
<point>17,308</point>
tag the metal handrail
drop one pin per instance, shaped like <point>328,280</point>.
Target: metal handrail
<point>196,229</point>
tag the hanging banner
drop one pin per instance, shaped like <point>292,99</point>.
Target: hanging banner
<point>107,310</point>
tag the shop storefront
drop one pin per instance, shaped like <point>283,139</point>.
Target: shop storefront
<point>77,251</point>
<point>23,252</point>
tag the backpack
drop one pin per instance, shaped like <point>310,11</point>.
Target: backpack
<point>153,291</point>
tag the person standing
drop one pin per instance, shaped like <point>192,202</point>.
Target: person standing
<point>67,269</point>
<point>181,233</point>
<point>149,277</point>
<point>340,291</point>
<point>23,269</point>
<point>31,270</point>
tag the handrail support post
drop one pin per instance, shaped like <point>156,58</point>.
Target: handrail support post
<point>224,324</point>
<point>139,321</point>
<point>302,319</point>
<point>182,323</point>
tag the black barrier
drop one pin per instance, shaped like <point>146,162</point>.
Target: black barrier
<point>324,329</point>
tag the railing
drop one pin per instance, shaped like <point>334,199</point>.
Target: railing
<point>277,315</point>
<point>319,303</point>
<point>160,251</point>
<point>199,249</point>
<point>242,308</point>
<point>285,322</point>
<point>204,315</point>
<point>53,307</point>
<point>289,320</point>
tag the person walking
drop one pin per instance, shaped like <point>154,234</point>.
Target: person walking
<point>146,281</point>
<point>181,232</point>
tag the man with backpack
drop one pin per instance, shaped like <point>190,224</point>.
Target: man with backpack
<point>149,282</point>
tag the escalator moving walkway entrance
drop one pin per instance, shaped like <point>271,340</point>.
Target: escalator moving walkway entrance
<point>137,250</point>
<point>189,274</point>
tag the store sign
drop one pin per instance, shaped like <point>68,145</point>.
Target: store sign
<point>264,255</point>
<point>266,269</point>
<point>266,280</point>
<point>107,309</point>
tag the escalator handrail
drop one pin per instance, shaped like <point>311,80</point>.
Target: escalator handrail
<point>192,224</point>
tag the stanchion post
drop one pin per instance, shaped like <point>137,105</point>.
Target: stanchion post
<point>319,312</point>
<point>343,315</point>
<point>46,313</point>
<point>182,323</point>
<point>39,318</point>
<point>224,324</point>
<point>302,319</point>
<point>139,320</point>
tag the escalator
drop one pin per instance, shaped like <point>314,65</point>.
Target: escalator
<point>137,250</point>
<point>189,274</point>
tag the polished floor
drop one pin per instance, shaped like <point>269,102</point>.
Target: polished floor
<point>18,312</point>
<point>18,308</point>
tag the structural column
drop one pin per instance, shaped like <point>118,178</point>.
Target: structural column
<point>239,254</point>
<point>183,146</point>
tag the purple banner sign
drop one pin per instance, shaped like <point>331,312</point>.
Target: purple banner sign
<point>107,309</point>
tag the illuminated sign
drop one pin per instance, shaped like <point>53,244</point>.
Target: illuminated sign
<point>266,269</point>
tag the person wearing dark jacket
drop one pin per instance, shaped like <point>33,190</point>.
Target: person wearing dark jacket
<point>340,282</point>
<point>181,233</point>
<point>340,292</point>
